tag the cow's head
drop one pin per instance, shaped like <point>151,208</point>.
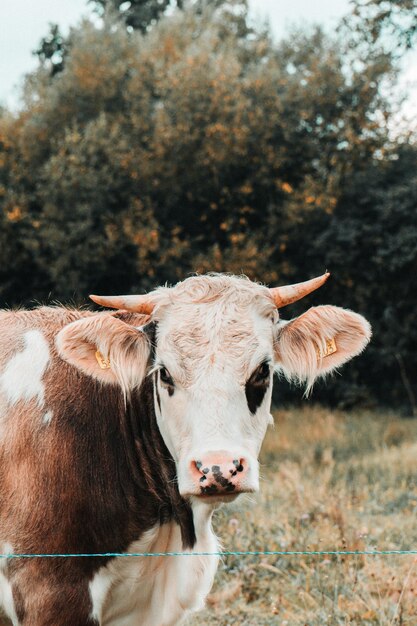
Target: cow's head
<point>218,341</point>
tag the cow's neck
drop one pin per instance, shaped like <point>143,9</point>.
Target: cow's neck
<point>152,467</point>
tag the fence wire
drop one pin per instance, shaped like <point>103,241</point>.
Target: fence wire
<point>225,553</point>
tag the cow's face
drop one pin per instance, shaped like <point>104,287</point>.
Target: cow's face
<point>218,340</point>
<point>214,361</point>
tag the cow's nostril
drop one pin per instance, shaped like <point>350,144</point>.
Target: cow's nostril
<point>238,465</point>
<point>199,467</point>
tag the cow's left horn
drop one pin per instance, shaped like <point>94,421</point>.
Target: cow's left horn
<point>139,304</point>
<point>291,293</point>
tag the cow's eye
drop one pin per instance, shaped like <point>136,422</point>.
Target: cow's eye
<point>261,374</point>
<point>166,377</point>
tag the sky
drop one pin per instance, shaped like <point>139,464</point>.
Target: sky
<point>24,22</point>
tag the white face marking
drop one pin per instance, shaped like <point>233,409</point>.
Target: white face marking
<point>6,595</point>
<point>211,349</point>
<point>157,590</point>
<point>22,376</point>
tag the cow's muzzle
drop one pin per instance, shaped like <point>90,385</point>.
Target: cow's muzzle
<point>215,474</point>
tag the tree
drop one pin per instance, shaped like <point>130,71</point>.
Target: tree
<point>370,244</point>
<point>53,49</point>
<point>137,14</point>
<point>142,15</point>
<point>391,23</point>
<point>224,161</point>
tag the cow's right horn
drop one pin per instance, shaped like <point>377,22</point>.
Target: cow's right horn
<point>139,304</point>
<point>291,293</point>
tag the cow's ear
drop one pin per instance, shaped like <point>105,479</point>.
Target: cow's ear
<point>319,341</point>
<point>106,348</point>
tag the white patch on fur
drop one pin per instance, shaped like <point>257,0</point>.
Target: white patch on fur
<point>47,418</point>
<point>22,376</point>
<point>99,588</point>
<point>157,591</point>
<point>6,595</point>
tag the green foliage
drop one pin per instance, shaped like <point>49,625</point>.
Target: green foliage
<point>387,21</point>
<point>137,14</point>
<point>53,49</point>
<point>142,15</point>
<point>374,225</point>
<point>200,146</point>
<point>369,242</point>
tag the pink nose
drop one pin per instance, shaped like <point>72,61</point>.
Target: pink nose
<point>217,474</point>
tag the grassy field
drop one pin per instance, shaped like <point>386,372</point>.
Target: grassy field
<point>330,481</point>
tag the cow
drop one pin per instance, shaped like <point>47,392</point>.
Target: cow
<point>122,431</point>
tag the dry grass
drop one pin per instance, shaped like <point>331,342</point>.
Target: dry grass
<point>330,481</point>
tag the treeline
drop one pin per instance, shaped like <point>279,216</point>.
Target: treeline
<point>167,138</point>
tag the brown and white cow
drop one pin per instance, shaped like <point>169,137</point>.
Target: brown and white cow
<point>122,431</point>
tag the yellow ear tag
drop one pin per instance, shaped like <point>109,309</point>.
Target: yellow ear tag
<point>330,348</point>
<point>103,362</point>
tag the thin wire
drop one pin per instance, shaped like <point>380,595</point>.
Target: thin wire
<point>220,554</point>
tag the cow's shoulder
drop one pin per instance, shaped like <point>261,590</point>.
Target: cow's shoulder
<point>29,365</point>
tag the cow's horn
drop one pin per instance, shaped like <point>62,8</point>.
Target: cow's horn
<point>139,304</point>
<point>291,293</point>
